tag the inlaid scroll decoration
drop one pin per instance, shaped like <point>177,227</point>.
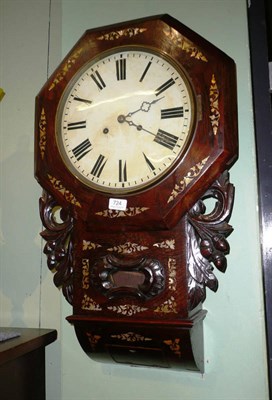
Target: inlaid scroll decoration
<point>174,345</point>
<point>56,183</point>
<point>214,106</point>
<point>89,304</point>
<point>127,310</point>
<point>128,248</point>
<point>166,244</point>
<point>189,177</point>
<point>59,247</point>
<point>86,245</point>
<point>85,273</point>
<point>42,133</point>
<point>184,44</point>
<point>66,67</point>
<point>130,32</point>
<point>131,337</point>
<point>169,306</point>
<point>206,239</point>
<point>172,279</point>
<point>129,212</point>
<point>93,339</point>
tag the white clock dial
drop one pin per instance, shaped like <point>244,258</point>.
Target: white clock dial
<point>126,120</point>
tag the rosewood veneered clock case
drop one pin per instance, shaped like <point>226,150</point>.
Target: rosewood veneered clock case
<point>135,129</point>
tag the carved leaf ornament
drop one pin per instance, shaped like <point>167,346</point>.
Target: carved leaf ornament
<point>58,247</point>
<point>206,243</point>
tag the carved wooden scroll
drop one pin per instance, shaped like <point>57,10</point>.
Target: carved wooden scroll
<point>59,247</point>
<point>207,242</point>
<point>206,246</point>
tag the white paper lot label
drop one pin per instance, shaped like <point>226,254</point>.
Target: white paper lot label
<point>118,204</point>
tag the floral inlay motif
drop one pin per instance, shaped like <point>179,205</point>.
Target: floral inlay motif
<point>215,114</point>
<point>89,304</point>
<point>127,309</point>
<point>86,245</point>
<point>93,339</point>
<point>85,273</point>
<point>56,183</point>
<point>42,130</point>
<point>169,306</point>
<point>172,268</point>
<point>69,63</point>
<point>184,44</point>
<point>122,32</point>
<point>166,244</point>
<point>189,177</point>
<point>131,337</point>
<point>129,212</point>
<point>174,346</point>
<point>128,248</point>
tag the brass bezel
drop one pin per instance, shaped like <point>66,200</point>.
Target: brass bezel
<point>139,188</point>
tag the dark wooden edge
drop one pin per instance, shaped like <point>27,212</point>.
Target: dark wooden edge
<point>29,340</point>
<point>263,131</point>
<point>186,323</point>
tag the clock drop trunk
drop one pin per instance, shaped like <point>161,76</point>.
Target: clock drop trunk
<point>131,301</point>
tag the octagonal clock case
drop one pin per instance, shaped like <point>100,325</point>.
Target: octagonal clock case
<point>134,131</point>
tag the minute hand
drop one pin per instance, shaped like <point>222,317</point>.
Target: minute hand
<point>145,106</point>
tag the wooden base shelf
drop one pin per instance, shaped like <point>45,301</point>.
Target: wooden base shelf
<point>22,364</point>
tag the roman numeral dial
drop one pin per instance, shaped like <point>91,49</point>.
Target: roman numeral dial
<point>145,71</point>
<point>126,120</point>
<point>166,85</point>
<point>82,149</point>
<point>122,171</point>
<point>98,166</point>
<point>76,125</point>
<point>121,66</point>
<point>176,112</point>
<point>96,77</point>
<point>166,139</point>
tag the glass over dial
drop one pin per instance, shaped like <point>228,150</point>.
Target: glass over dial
<point>125,120</point>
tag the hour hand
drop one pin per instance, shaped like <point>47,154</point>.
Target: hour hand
<point>139,127</point>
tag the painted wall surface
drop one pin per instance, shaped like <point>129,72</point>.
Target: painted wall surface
<point>27,296</point>
<point>235,352</point>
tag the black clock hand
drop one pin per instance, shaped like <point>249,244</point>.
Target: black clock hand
<point>122,118</point>
<point>141,128</point>
<point>145,106</point>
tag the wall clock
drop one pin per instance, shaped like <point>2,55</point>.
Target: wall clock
<point>135,129</point>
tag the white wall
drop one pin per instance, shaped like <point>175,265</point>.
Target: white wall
<point>27,296</point>
<point>235,353</point>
